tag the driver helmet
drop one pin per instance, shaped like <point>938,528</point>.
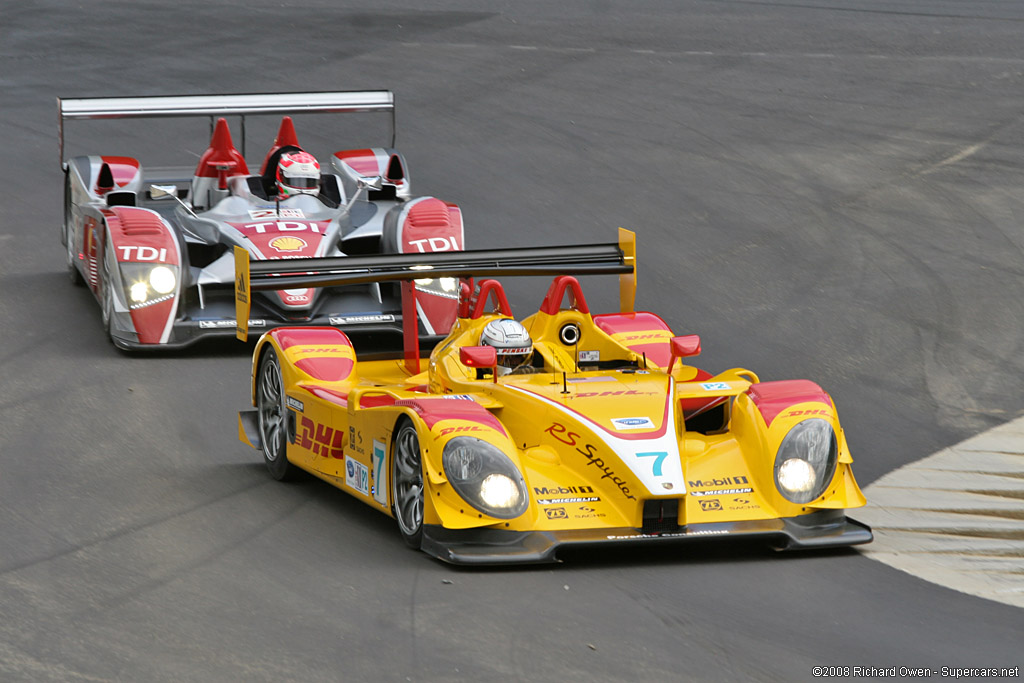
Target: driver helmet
<point>298,173</point>
<point>512,342</point>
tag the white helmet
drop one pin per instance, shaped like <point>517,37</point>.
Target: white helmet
<point>512,342</point>
<point>298,173</point>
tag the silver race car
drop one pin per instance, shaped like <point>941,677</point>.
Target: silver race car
<point>155,244</point>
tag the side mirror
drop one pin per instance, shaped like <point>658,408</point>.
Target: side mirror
<point>370,182</point>
<point>478,356</point>
<point>683,347</point>
<point>165,191</point>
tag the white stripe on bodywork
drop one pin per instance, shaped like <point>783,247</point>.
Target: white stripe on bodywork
<point>643,467</point>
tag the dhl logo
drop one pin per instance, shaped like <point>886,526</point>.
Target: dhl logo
<point>459,430</point>
<point>623,392</point>
<point>332,351</point>
<point>321,439</point>
<point>653,335</point>
<point>808,413</point>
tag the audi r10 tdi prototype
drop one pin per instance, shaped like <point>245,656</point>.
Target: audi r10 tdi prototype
<point>154,244</point>
<point>515,440</point>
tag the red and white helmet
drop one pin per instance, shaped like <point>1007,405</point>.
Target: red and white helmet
<point>298,173</point>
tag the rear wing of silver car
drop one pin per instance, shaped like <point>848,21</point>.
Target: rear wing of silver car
<point>618,258</point>
<point>225,105</point>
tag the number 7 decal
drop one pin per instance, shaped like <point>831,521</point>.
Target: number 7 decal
<point>659,457</point>
<point>380,489</point>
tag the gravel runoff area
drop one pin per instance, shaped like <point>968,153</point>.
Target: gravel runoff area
<point>956,518</point>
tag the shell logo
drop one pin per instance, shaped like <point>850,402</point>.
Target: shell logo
<point>288,243</point>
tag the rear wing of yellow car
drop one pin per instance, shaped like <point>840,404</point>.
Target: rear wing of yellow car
<point>225,105</point>
<point>583,259</point>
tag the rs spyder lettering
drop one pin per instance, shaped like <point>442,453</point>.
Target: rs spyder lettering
<point>589,451</point>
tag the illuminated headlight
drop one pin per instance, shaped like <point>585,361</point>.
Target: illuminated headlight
<point>147,284</point>
<point>444,286</point>
<point>485,477</point>
<point>138,292</point>
<point>161,279</point>
<point>806,461</point>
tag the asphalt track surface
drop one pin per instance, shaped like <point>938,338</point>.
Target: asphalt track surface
<point>831,190</point>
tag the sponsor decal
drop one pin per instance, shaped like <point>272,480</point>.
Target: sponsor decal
<point>143,253</point>
<point>624,423</point>
<point>459,397</point>
<point>567,501</point>
<point>603,378</point>
<point>711,504</point>
<point>357,476</point>
<point>589,356</point>
<point>721,492</point>
<point>282,226</point>
<point>272,212</point>
<point>708,483</point>
<point>561,490</point>
<point>672,534</point>
<point>715,386</point>
<point>355,440</point>
<point>649,335</point>
<point>458,430</point>
<point>625,392</point>
<point>380,493</point>
<point>435,244</point>
<point>556,513</point>
<point>361,319</point>
<point>294,403</point>
<point>219,324</point>
<point>807,413</point>
<point>288,243</point>
<point>321,439</point>
<point>742,504</point>
<point>560,433</point>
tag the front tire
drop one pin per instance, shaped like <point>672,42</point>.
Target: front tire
<point>273,417</point>
<point>407,484</point>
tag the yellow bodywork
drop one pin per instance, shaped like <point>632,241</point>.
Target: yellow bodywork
<point>597,431</point>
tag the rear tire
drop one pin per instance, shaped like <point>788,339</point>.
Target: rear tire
<point>273,417</point>
<point>407,483</point>
<point>69,240</point>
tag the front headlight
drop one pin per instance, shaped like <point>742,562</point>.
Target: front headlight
<point>485,477</point>
<point>146,285</point>
<point>806,461</point>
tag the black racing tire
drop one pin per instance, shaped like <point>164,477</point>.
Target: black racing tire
<point>407,483</point>
<point>273,417</point>
<point>69,243</point>
<point>107,304</point>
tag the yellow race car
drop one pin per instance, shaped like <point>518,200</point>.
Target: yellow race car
<point>518,438</point>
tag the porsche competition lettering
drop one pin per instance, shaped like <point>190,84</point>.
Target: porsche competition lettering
<point>142,253</point>
<point>357,476</point>
<point>435,244</point>
<point>281,226</point>
<point>589,451</point>
<point>321,439</point>
<point>673,534</point>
